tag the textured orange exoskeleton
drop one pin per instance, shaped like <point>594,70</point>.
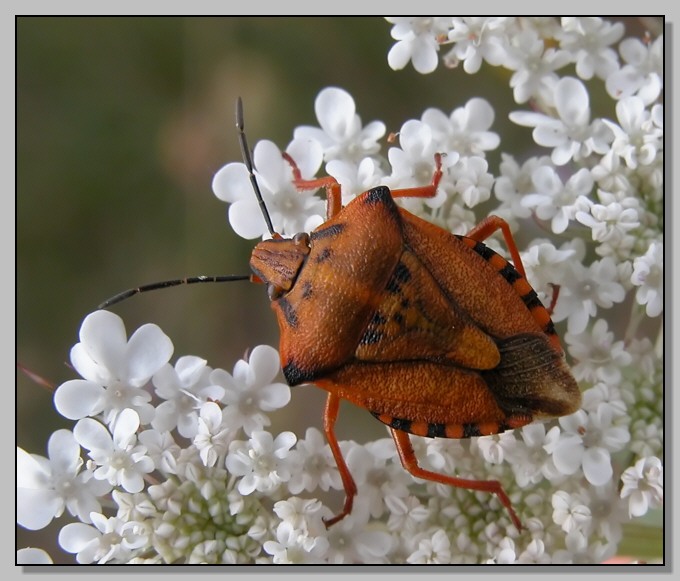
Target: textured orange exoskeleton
<point>435,334</point>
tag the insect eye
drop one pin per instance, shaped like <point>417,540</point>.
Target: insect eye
<point>301,239</point>
<point>274,291</point>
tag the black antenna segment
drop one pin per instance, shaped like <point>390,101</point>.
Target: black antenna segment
<point>248,161</point>
<point>168,283</point>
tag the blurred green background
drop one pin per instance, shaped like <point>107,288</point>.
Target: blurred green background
<point>121,124</point>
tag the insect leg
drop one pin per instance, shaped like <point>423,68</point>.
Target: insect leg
<point>329,418</point>
<point>410,462</point>
<point>487,227</point>
<point>333,190</point>
<point>553,299</point>
<point>428,191</point>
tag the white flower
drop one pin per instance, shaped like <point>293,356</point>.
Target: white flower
<point>288,207</point>
<point>529,457</point>
<point>534,553</point>
<point>598,356</point>
<point>534,66</point>
<point>584,289</point>
<point>406,514</point>
<point>262,461</point>
<point>304,515</point>
<point>375,475</point>
<point>472,181</point>
<point>45,487</point>
<point>432,548</point>
<point>316,465</point>
<point>648,277</point>
<point>476,39</point>
<point>552,200</point>
<point>611,176</point>
<point>642,75</point>
<point>609,223</point>
<point>637,138</point>
<point>109,540</point>
<point>250,391</point>
<point>643,486</point>
<point>213,436</point>
<point>184,388</point>
<point>115,369</point>
<point>569,512</point>
<point>513,183</point>
<point>465,130</point>
<point>292,547</point>
<point>355,179</point>
<point>505,552</point>
<point>545,264</point>
<point>417,41</point>
<point>352,541</point>
<point>119,459</point>
<point>341,135</point>
<point>161,448</point>
<point>589,40</point>
<point>587,441</point>
<point>571,136</point>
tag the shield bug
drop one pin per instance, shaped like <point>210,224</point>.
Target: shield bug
<point>434,334</point>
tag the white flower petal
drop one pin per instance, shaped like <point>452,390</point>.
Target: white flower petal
<point>74,537</point>
<point>572,102</point>
<point>92,435</point>
<point>125,428</point>
<point>231,183</point>
<point>147,351</point>
<point>36,508</point>
<point>246,219</point>
<point>568,454</point>
<point>597,466</point>
<point>335,110</point>
<point>64,452</point>
<point>30,472</point>
<point>33,556</point>
<point>399,55</point>
<point>77,398</point>
<point>274,396</point>
<point>264,359</point>
<point>103,336</point>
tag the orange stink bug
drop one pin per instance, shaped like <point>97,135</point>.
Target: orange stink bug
<point>433,333</point>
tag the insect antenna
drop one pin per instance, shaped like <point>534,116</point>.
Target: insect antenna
<point>248,161</point>
<point>168,283</point>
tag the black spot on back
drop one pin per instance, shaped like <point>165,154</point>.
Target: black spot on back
<point>377,195</point>
<point>306,289</point>
<point>327,232</point>
<point>400,275</point>
<point>294,375</point>
<point>288,311</point>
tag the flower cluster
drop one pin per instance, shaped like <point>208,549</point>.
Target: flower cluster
<point>173,463</point>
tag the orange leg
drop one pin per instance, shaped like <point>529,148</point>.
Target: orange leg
<point>553,300</point>
<point>329,418</point>
<point>334,192</point>
<point>410,462</point>
<point>487,227</point>
<point>428,191</point>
